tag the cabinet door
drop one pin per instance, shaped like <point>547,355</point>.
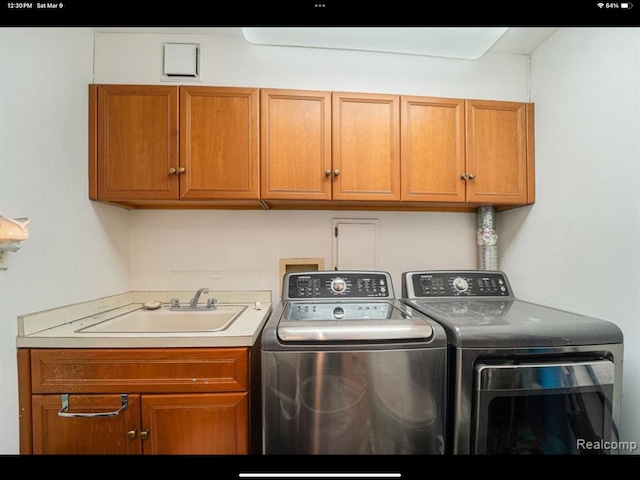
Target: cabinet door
<point>196,424</point>
<point>219,155</point>
<point>137,130</point>
<point>366,146</point>
<point>295,144</point>
<point>97,435</point>
<point>433,157</point>
<point>497,147</point>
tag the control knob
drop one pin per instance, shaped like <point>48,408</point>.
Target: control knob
<point>460,284</point>
<point>338,285</point>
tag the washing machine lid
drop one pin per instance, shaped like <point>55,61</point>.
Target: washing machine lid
<point>308,321</point>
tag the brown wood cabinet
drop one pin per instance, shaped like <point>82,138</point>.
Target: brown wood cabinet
<point>137,401</point>
<point>295,144</point>
<point>184,146</point>
<point>467,151</point>
<point>366,146</point>
<point>433,149</point>
<point>329,146</point>
<point>229,147</point>
<point>499,152</point>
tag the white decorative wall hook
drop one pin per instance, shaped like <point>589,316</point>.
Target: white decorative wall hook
<point>12,232</point>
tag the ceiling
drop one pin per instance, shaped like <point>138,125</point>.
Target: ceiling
<point>515,40</point>
<point>523,40</point>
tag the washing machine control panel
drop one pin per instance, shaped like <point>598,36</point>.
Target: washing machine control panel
<point>307,311</point>
<point>455,284</point>
<point>338,284</point>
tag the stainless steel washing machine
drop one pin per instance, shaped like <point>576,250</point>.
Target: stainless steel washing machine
<point>524,378</point>
<point>348,369</point>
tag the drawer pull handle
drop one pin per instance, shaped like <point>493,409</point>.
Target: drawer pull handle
<point>65,406</point>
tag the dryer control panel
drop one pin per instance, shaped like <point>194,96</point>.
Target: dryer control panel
<point>439,284</point>
<point>337,284</point>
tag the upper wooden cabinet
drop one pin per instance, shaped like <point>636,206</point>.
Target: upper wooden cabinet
<point>230,147</point>
<point>295,144</point>
<point>219,143</point>
<point>137,142</point>
<point>471,151</point>
<point>433,150</point>
<point>499,152</point>
<point>330,146</point>
<point>366,147</point>
<point>155,144</point>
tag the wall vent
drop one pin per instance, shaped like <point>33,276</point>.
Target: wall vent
<point>181,62</point>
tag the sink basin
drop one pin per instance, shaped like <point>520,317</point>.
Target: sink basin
<point>166,320</point>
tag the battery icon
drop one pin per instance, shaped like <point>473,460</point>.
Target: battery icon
<point>626,5</point>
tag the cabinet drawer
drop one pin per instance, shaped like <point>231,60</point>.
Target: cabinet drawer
<point>139,370</point>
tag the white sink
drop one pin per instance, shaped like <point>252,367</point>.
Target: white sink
<point>166,320</point>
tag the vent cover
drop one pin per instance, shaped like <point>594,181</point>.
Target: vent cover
<point>181,61</point>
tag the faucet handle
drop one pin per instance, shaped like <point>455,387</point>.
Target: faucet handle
<point>211,303</point>
<point>175,303</point>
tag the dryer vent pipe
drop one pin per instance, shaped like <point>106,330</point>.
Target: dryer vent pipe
<point>487,238</point>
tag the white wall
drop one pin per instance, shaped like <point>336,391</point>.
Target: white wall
<point>583,233</point>
<point>229,60</point>
<point>77,250</point>
<point>81,250</point>
<point>228,250</point>
<point>180,249</point>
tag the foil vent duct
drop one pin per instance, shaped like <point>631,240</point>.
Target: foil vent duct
<point>487,238</point>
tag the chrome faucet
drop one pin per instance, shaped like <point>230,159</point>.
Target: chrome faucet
<point>196,297</point>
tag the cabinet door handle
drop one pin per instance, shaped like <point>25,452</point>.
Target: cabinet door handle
<point>336,172</point>
<point>65,406</point>
<point>327,173</point>
<point>144,434</point>
<point>182,170</point>
<point>463,176</point>
<point>131,434</point>
<point>472,176</point>
<point>172,171</point>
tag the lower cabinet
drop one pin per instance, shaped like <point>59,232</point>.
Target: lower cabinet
<point>137,401</point>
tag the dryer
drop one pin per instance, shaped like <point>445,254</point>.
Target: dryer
<point>523,378</point>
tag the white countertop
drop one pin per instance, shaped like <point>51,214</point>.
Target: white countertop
<point>59,327</point>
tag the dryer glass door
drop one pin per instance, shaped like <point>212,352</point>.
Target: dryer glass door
<point>543,408</point>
